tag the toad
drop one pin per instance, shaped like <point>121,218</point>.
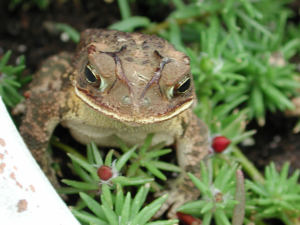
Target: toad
<point>123,84</point>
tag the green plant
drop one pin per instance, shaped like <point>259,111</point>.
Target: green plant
<point>144,164</point>
<point>120,208</point>
<point>115,207</point>
<point>86,169</point>
<point>277,197</point>
<point>10,80</point>
<point>235,59</point>
<point>218,199</point>
<point>147,157</point>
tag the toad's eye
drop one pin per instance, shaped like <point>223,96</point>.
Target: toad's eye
<point>89,75</point>
<point>182,86</point>
<point>95,78</point>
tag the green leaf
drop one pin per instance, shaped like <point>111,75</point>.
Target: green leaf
<point>68,190</point>
<point>70,31</point>
<point>157,153</point>
<point>139,200</point>
<point>42,4</point>
<point>119,200</point>
<point>97,156</point>
<point>165,166</point>
<point>81,185</point>
<point>124,158</point>
<point>277,97</point>
<point>157,147</point>
<point>227,176</point>
<point>108,158</point>
<point>253,23</point>
<point>175,35</point>
<point>221,217</point>
<point>193,208</point>
<point>205,177</point>
<point>207,207</point>
<point>199,184</point>
<point>124,9</point>
<point>224,109</point>
<point>257,103</point>
<point>125,214</point>
<point>93,205</point>
<point>4,59</point>
<point>88,218</point>
<point>256,188</point>
<point>90,157</point>
<point>16,69</point>
<point>130,23</point>
<point>152,169</point>
<point>106,196</point>
<point>133,169</point>
<point>212,34</point>
<point>87,166</point>
<point>207,218</point>
<point>187,12</point>
<point>147,212</point>
<point>131,181</point>
<point>82,173</point>
<point>284,172</point>
<point>111,217</point>
<point>163,222</point>
<point>290,48</point>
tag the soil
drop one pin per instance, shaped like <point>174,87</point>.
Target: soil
<point>275,142</point>
<point>24,31</point>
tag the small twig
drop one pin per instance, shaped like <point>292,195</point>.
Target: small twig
<point>239,209</point>
<point>248,166</point>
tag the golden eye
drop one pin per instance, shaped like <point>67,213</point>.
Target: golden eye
<point>182,86</point>
<point>89,75</point>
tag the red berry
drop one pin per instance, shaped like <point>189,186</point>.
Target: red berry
<point>188,219</point>
<point>220,143</point>
<point>104,172</point>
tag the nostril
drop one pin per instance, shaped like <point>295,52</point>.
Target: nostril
<point>146,101</point>
<point>126,100</point>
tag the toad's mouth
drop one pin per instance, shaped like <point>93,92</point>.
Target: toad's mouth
<point>130,118</point>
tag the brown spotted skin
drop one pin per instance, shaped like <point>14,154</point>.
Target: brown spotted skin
<point>46,107</point>
<point>134,101</point>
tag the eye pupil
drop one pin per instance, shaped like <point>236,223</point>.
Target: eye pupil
<point>89,75</point>
<point>184,86</point>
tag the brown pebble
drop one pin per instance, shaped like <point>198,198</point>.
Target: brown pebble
<point>2,166</point>
<point>2,142</point>
<point>22,205</point>
<point>32,188</point>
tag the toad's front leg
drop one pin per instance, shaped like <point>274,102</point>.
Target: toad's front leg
<point>191,147</point>
<point>45,108</point>
<point>36,130</point>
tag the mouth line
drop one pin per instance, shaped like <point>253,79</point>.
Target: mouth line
<point>132,119</point>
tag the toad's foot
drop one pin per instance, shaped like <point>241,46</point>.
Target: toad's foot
<point>179,193</point>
